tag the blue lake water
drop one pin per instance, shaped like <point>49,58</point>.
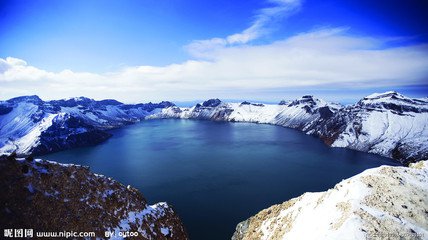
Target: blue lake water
<point>217,174</point>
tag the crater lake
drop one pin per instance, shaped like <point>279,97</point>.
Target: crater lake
<point>217,174</point>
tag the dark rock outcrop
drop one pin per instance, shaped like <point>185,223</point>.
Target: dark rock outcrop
<point>47,196</point>
<point>211,103</point>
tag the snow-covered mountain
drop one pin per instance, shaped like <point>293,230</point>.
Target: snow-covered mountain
<point>30,125</point>
<point>388,124</point>
<point>52,197</point>
<point>300,113</point>
<point>379,203</point>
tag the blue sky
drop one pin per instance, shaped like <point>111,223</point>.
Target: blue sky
<point>187,49</point>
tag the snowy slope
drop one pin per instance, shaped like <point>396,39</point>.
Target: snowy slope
<point>388,124</point>
<point>30,125</point>
<point>380,203</point>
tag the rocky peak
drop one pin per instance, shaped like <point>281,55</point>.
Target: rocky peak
<point>148,106</point>
<point>166,104</point>
<point>388,94</point>
<point>307,97</point>
<point>30,99</point>
<point>73,102</point>
<point>83,101</point>
<point>393,101</point>
<point>307,102</point>
<point>253,104</point>
<point>283,102</point>
<point>111,102</point>
<point>211,103</point>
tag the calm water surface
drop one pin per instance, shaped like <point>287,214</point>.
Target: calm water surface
<point>218,174</point>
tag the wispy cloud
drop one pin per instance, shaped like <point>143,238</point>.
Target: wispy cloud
<point>259,27</point>
<point>329,56</point>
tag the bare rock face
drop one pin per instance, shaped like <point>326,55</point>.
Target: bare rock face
<point>380,203</point>
<point>48,196</point>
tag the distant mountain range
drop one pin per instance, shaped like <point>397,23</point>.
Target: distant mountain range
<point>388,124</point>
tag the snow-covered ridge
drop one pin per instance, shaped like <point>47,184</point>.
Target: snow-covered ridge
<point>388,124</point>
<point>31,125</point>
<point>395,102</point>
<point>297,114</point>
<point>48,196</point>
<point>380,203</point>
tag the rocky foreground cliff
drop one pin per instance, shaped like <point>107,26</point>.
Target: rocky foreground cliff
<point>48,196</point>
<point>380,203</point>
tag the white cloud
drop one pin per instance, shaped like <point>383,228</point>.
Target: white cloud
<point>316,58</point>
<point>280,8</point>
